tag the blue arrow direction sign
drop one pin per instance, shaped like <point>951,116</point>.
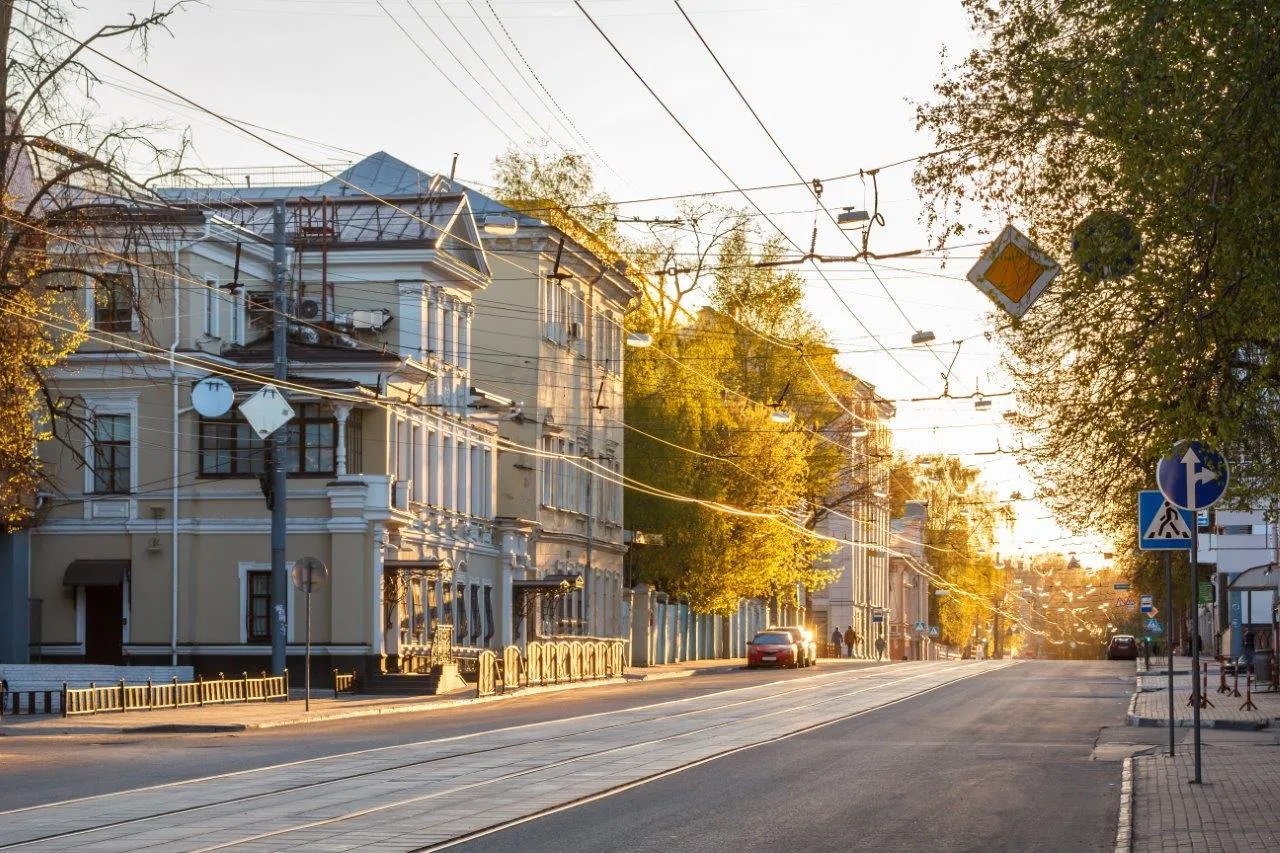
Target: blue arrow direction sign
<point>1161,525</point>
<point>1193,476</point>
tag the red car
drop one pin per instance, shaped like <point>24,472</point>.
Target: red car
<point>772,648</point>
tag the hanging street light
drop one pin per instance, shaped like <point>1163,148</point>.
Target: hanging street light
<point>639,340</point>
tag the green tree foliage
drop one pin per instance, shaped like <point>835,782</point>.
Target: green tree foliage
<point>960,536</point>
<point>63,173</point>
<point>675,394</point>
<point>1166,113</point>
<point>565,178</point>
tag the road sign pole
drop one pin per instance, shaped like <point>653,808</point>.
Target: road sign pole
<point>279,574</point>
<point>1195,652</point>
<point>1168,639</point>
<point>306,703</point>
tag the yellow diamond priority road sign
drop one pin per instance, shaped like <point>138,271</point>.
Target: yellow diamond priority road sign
<point>1013,271</point>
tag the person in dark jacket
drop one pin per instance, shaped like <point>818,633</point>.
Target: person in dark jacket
<point>850,637</point>
<point>837,640</point>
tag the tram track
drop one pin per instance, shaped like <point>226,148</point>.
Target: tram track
<point>649,714</point>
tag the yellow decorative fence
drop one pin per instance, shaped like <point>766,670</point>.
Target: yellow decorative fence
<point>151,697</point>
<point>550,662</point>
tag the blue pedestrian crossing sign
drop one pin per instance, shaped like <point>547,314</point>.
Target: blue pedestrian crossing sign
<point>1154,627</point>
<point>1193,476</point>
<point>921,627</point>
<point>1161,525</point>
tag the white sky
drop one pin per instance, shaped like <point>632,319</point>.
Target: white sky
<point>832,80</point>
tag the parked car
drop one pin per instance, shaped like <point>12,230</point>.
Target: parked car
<point>772,648</point>
<point>805,642</point>
<point>1122,647</point>
<point>1240,665</point>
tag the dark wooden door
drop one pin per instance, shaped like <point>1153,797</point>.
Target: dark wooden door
<point>103,624</point>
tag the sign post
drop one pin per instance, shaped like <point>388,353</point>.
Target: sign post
<point>309,574</point>
<point>1193,477</point>
<point>1164,527</point>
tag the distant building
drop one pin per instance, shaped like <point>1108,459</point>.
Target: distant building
<point>860,521</point>
<point>549,335</point>
<point>909,585</point>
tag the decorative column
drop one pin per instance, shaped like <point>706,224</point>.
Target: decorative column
<point>341,411</point>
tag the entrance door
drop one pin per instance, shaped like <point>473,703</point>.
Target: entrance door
<point>103,624</point>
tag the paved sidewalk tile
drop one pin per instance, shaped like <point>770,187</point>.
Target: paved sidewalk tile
<point>1151,701</point>
<point>1233,810</point>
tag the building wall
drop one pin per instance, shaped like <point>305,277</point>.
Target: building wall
<point>351,519</point>
<point>526,325</point>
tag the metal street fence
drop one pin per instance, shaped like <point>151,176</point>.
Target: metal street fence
<point>550,661</point>
<point>123,697</point>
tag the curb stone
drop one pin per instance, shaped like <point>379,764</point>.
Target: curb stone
<point>1124,825</point>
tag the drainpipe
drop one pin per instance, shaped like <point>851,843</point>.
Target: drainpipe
<point>173,474</point>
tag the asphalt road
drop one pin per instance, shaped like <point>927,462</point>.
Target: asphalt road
<point>37,770</point>
<point>1003,762</point>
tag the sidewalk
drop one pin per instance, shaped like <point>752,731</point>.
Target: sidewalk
<point>1232,810</point>
<point>1150,704</point>
<point>324,708</point>
<point>1161,812</point>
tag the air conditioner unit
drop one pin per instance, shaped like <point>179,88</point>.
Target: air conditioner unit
<point>400,492</point>
<point>312,308</point>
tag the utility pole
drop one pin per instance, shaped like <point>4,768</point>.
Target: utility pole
<point>279,447</point>
<point>590,581</point>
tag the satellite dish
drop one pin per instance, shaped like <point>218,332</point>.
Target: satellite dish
<point>212,397</point>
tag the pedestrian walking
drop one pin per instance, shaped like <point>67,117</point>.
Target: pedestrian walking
<point>837,640</point>
<point>850,637</point>
<point>880,647</point>
<point>1248,645</point>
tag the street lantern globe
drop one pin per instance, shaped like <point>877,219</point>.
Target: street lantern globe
<point>859,432</point>
<point>639,340</point>
<point>778,416</point>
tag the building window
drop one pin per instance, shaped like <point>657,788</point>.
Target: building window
<point>212,307</point>
<point>237,317</point>
<point>461,621</point>
<point>548,472</point>
<point>460,475</point>
<point>258,606</point>
<point>113,302</point>
<point>229,448</point>
<point>112,447</point>
<point>476,624</point>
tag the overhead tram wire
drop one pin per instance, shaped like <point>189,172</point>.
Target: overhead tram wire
<point>813,188</point>
<point>483,62</point>
<point>543,86</point>
<point>496,126</point>
<point>226,371</point>
<point>730,179</point>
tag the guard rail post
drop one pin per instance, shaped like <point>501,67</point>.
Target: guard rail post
<point>64,698</point>
<point>1248,692</point>
<point>124,697</point>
